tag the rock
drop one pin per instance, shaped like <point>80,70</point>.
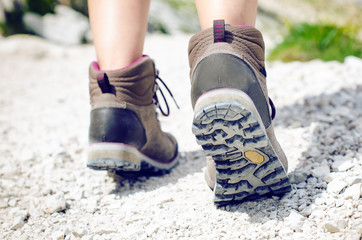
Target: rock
<point>298,177</point>
<point>57,235</point>
<point>103,225</point>
<point>12,202</point>
<point>92,205</point>
<point>353,192</point>
<point>17,223</point>
<point>354,62</point>
<point>342,224</point>
<point>79,232</point>
<point>151,229</point>
<point>331,228</point>
<point>321,171</point>
<point>171,21</point>
<point>66,26</point>
<point>307,211</point>
<point>4,203</point>
<point>333,175</point>
<point>76,195</point>
<point>20,217</point>
<point>339,203</point>
<point>88,237</point>
<point>314,152</point>
<point>285,232</point>
<point>269,225</point>
<point>341,164</point>
<point>318,213</point>
<point>354,180</point>
<point>294,221</point>
<point>336,186</point>
<point>55,203</point>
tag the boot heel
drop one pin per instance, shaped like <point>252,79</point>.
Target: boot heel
<point>116,156</point>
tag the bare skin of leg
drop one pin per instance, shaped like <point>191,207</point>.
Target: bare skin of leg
<point>234,12</point>
<point>119,29</point>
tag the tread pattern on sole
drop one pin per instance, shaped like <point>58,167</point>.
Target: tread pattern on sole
<point>118,165</point>
<point>124,158</point>
<point>226,131</point>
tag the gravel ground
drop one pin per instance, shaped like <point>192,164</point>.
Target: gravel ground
<point>46,191</point>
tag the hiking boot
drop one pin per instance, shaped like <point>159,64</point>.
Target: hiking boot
<point>233,114</point>
<point>124,133</point>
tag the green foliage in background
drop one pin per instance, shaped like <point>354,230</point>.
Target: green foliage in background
<point>187,5</point>
<point>306,41</point>
<point>13,23</point>
<point>41,7</point>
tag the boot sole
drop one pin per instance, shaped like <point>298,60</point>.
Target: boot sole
<point>228,127</point>
<point>125,158</point>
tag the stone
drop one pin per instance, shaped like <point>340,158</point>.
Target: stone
<point>269,225</point>
<point>341,224</point>
<point>66,26</point>
<point>318,213</point>
<point>321,171</point>
<point>331,228</point>
<point>333,175</point>
<point>20,217</point>
<point>339,203</point>
<point>353,192</point>
<point>57,235</point>
<point>341,164</point>
<point>103,225</point>
<point>294,221</point>
<point>55,203</point>
<point>285,232</point>
<point>79,232</point>
<point>307,211</point>
<point>4,203</point>
<point>336,186</point>
<point>17,223</point>
<point>151,229</point>
<point>352,61</point>
<point>170,21</point>
<point>88,237</point>
<point>12,202</point>
<point>92,205</point>
<point>298,177</point>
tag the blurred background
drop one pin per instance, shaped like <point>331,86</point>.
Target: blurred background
<point>293,29</point>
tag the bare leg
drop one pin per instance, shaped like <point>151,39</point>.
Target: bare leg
<point>119,29</point>
<point>234,12</point>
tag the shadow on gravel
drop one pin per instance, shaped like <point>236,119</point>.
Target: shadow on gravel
<point>337,118</point>
<point>189,163</point>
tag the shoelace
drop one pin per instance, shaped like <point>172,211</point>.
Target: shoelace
<point>155,97</point>
<point>273,111</point>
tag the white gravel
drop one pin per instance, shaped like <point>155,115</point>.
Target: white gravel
<point>46,192</point>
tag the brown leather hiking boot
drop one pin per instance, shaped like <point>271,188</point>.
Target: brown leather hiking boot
<point>232,117</point>
<point>124,133</point>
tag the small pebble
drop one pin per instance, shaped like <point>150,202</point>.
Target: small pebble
<point>331,228</point>
<point>336,186</point>
<point>55,203</point>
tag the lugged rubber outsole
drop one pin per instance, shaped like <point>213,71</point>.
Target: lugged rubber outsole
<point>125,158</point>
<point>230,131</point>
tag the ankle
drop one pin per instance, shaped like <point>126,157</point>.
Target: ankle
<point>117,65</point>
